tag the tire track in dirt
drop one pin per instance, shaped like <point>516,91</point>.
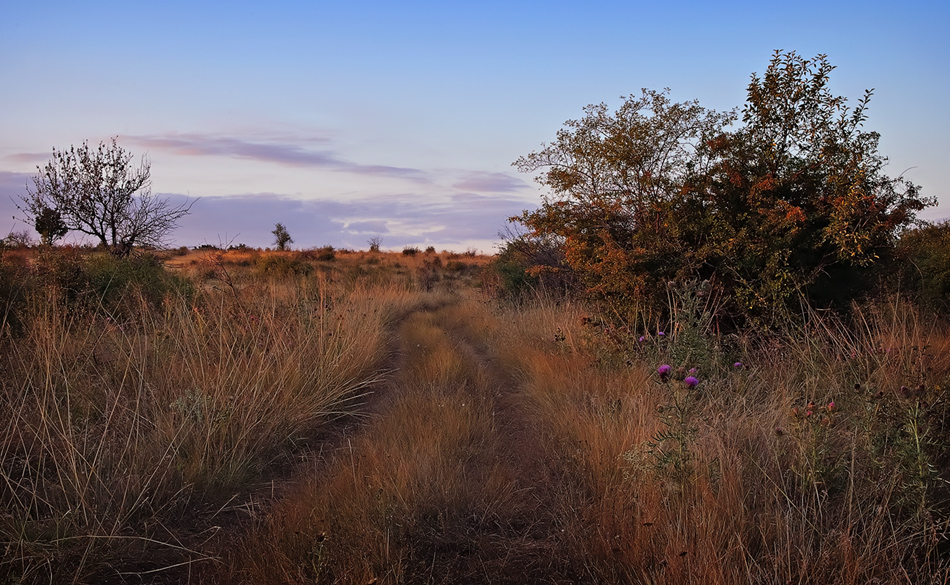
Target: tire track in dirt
<point>523,544</point>
<point>442,478</point>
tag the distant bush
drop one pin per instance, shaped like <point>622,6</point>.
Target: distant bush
<point>20,239</point>
<point>430,250</point>
<point>526,263</point>
<point>282,265</point>
<point>84,283</point>
<point>111,279</point>
<point>325,253</point>
<point>410,251</point>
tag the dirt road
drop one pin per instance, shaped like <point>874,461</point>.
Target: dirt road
<point>443,481</point>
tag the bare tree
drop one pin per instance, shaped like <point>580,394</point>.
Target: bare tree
<point>102,194</point>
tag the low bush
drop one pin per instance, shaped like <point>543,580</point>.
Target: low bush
<point>925,265</point>
<point>282,265</point>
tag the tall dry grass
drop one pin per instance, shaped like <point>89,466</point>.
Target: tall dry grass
<point>822,459</point>
<point>128,432</point>
<point>406,501</point>
<point>508,442</point>
<point>526,428</point>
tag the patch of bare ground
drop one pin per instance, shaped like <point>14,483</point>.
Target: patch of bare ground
<point>442,480</point>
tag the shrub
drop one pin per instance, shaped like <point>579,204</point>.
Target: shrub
<point>410,251</point>
<point>525,263</point>
<point>325,253</point>
<point>15,284</point>
<point>282,265</point>
<point>111,280</point>
<point>19,239</point>
<point>791,206</point>
<point>926,267</point>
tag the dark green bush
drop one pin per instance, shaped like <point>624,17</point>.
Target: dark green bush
<point>84,281</point>
<point>528,263</point>
<point>15,285</point>
<point>924,257</point>
<point>110,281</point>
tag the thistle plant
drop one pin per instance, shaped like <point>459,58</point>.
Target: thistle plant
<point>669,452</point>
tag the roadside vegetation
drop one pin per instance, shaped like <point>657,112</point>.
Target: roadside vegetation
<point>263,417</point>
<point>141,401</point>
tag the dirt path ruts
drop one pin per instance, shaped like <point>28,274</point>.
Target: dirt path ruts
<point>442,478</point>
<point>523,544</point>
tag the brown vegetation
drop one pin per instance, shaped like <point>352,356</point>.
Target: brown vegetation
<point>280,418</point>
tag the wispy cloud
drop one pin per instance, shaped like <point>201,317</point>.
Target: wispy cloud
<point>32,158</point>
<point>490,182</point>
<point>284,153</point>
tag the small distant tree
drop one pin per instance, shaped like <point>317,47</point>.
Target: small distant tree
<point>282,237</point>
<point>374,243</point>
<point>49,224</point>
<point>100,192</point>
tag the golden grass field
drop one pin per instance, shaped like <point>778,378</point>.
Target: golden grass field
<point>287,417</point>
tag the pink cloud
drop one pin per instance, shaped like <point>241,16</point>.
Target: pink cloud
<point>283,153</point>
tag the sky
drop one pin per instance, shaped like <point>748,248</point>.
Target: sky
<point>347,121</point>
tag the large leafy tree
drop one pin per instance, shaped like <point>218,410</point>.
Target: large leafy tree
<point>612,179</point>
<point>791,205</point>
<point>101,193</point>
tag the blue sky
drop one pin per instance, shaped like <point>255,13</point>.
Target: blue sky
<point>347,121</point>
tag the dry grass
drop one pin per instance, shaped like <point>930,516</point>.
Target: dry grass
<point>128,434</point>
<point>405,501</point>
<point>849,496</point>
<point>502,443</point>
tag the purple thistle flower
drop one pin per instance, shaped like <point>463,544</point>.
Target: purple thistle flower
<point>642,338</point>
<point>691,382</point>
<point>737,365</point>
<point>660,333</point>
<point>664,371</point>
<point>693,371</point>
